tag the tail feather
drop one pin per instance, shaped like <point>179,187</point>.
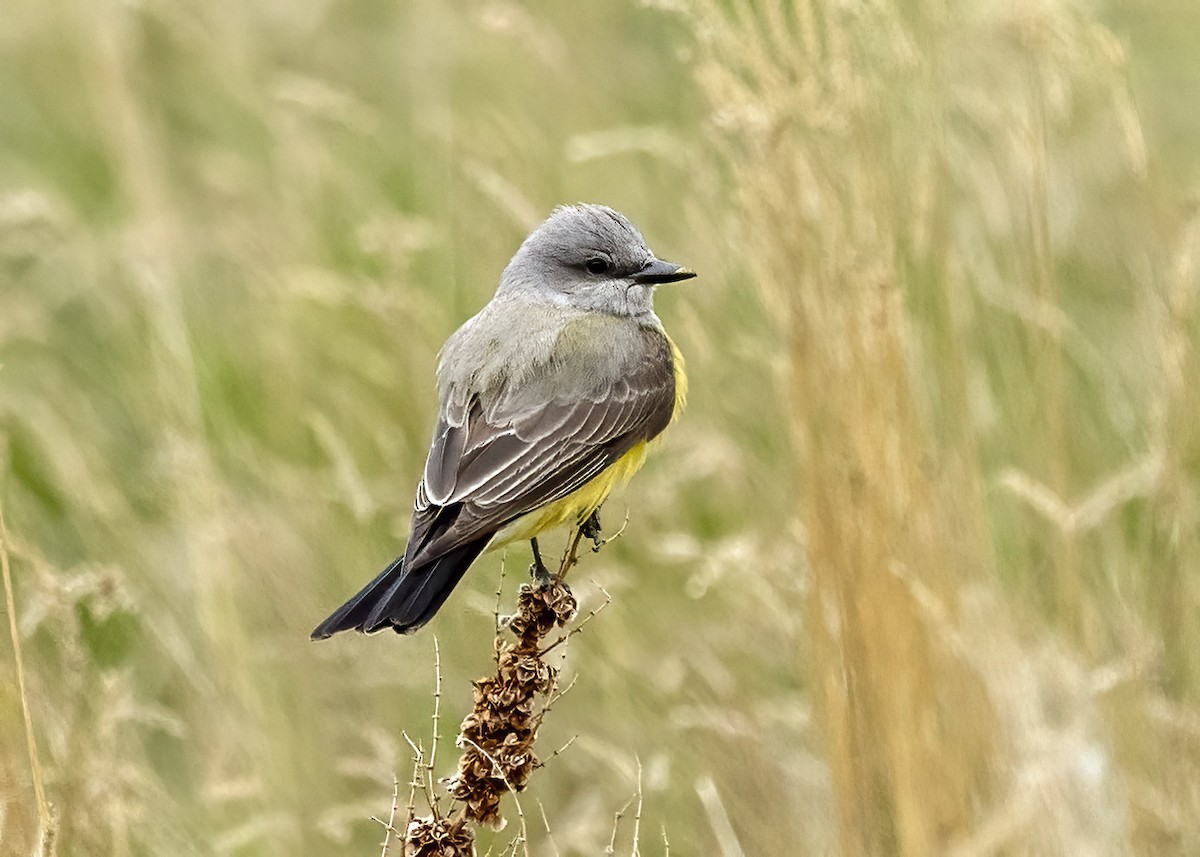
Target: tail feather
<point>402,598</point>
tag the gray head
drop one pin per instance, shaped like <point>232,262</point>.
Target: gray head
<point>590,257</point>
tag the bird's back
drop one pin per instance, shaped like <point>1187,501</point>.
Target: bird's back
<point>605,356</point>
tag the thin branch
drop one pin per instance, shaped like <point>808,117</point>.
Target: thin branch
<point>546,821</point>
<point>620,532</point>
<point>437,707</point>
<point>617,816</point>
<point>581,625</point>
<point>418,779</point>
<point>410,810</point>
<point>518,840</point>
<point>546,761</point>
<point>570,558</point>
<point>555,697</point>
<point>499,592</point>
<point>389,827</point>
<point>637,816</point>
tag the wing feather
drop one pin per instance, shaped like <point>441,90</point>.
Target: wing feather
<point>442,465</point>
<point>505,458</point>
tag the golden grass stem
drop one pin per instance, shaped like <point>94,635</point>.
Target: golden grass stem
<point>1050,368</point>
<point>45,816</point>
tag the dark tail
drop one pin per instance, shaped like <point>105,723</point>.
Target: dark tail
<point>402,598</point>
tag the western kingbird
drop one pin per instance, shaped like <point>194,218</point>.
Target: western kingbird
<point>548,399</point>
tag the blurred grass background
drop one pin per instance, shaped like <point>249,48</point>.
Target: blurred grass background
<point>917,572</point>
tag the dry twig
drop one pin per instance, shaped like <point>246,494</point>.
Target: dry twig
<point>498,735</point>
<point>591,614</point>
<point>617,816</point>
<point>637,816</point>
<point>546,823</point>
<point>389,827</point>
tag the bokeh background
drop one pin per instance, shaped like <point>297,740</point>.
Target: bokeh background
<point>918,573</point>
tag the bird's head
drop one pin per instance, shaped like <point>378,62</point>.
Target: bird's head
<point>590,257</point>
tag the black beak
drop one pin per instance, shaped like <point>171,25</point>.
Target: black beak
<point>658,272</point>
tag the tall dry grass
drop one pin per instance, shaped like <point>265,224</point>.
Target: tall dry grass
<point>232,240</point>
<point>916,572</point>
<point>986,341</point>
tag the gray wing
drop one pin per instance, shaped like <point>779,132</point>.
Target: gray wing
<point>491,463</point>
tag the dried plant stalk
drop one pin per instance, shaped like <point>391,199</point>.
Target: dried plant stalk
<point>848,139</point>
<point>498,735</point>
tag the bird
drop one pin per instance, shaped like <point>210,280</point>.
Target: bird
<point>548,399</point>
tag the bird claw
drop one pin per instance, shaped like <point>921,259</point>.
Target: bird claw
<point>538,571</point>
<point>590,529</point>
<point>541,575</point>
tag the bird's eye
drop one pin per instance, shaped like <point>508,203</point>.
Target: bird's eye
<point>596,265</point>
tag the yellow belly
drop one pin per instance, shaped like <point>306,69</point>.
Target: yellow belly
<point>575,508</point>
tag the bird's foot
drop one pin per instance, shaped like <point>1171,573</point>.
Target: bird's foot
<point>537,570</point>
<point>590,529</point>
<point>541,575</point>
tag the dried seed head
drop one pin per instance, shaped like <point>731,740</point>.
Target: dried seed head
<point>497,736</point>
<point>439,837</point>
